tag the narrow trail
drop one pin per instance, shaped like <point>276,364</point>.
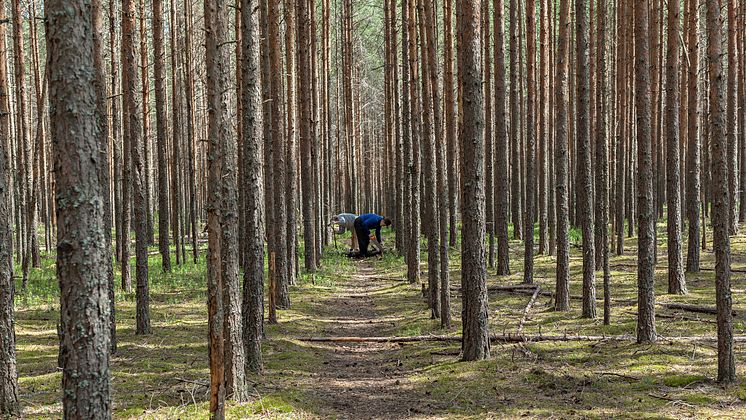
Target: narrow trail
<point>364,380</point>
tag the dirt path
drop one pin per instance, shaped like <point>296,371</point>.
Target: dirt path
<point>363,380</point>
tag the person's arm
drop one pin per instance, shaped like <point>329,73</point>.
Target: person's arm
<point>378,234</point>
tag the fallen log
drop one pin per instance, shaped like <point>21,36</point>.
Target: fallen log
<point>665,267</point>
<point>675,317</point>
<point>692,308</point>
<point>511,338</point>
<point>631,378</point>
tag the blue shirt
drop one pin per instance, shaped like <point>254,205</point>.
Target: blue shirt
<point>371,221</point>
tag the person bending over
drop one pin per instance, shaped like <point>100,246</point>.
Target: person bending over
<point>363,225</point>
<point>345,222</point>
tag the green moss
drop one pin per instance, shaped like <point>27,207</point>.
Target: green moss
<point>699,399</point>
<point>682,380</point>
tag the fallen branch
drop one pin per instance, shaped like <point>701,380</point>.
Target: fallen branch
<point>363,276</point>
<point>188,381</point>
<point>673,401</point>
<point>445,353</point>
<point>665,267</point>
<point>412,339</point>
<point>511,338</point>
<point>692,308</point>
<point>512,288</point>
<point>526,289</point>
<point>528,308</point>
<point>675,317</point>
<point>631,378</point>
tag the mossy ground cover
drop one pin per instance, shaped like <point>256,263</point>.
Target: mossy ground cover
<point>165,374</point>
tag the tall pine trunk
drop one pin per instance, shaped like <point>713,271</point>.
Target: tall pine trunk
<point>81,243</point>
<point>645,208</point>
<point>9,372</point>
<point>476,344</point>
<point>530,162</point>
<point>720,194</point>
<point>444,172</point>
<point>102,124</point>
<point>501,144</point>
<point>429,196</point>
<point>280,237</point>
<point>253,184</point>
<point>602,158</point>
<point>134,127</point>
<point>676,279</point>
<point>585,174</point>
<point>306,117</point>
<point>693,177</point>
<point>730,113</point>
<point>159,72</point>
<point>562,288</point>
<point>515,123</point>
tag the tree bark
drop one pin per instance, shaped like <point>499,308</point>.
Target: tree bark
<point>475,344</point>
<point>645,208</point>
<point>501,144</point>
<point>306,118</point>
<point>530,162</point>
<point>191,175</point>
<point>676,279</point>
<point>602,158</point>
<point>621,138</point>
<point>444,172</point>
<point>159,72</point>
<point>413,259</point>
<point>406,124</point>
<point>720,194</point>
<point>693,178</point>
<point>451,121</point>
<point>562,290</point>
<point>515,124</point>
<point>126,62</point>
<point>9,406</point>
<point>585,174</point>
<point>102,124</point>
<point>279,234</point>
<point>145,80</point>
<point>134,127</point>
<point>81,243</point>
<point>488,135</point>
<point>544,126</point>
<point>730,113</point>
<point>221,105</point>
<point>115,134</point>
<point>175,144</point>
<point>216,27</point>
<point>429,198</point>
<point>742,110</point>
<point>253,286</point>
<point>291,136</point>
<point>28,192</point>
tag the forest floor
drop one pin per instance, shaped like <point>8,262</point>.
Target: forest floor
<point>165,374</point>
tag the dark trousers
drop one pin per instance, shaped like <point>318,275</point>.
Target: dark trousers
<point>363,240</point>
